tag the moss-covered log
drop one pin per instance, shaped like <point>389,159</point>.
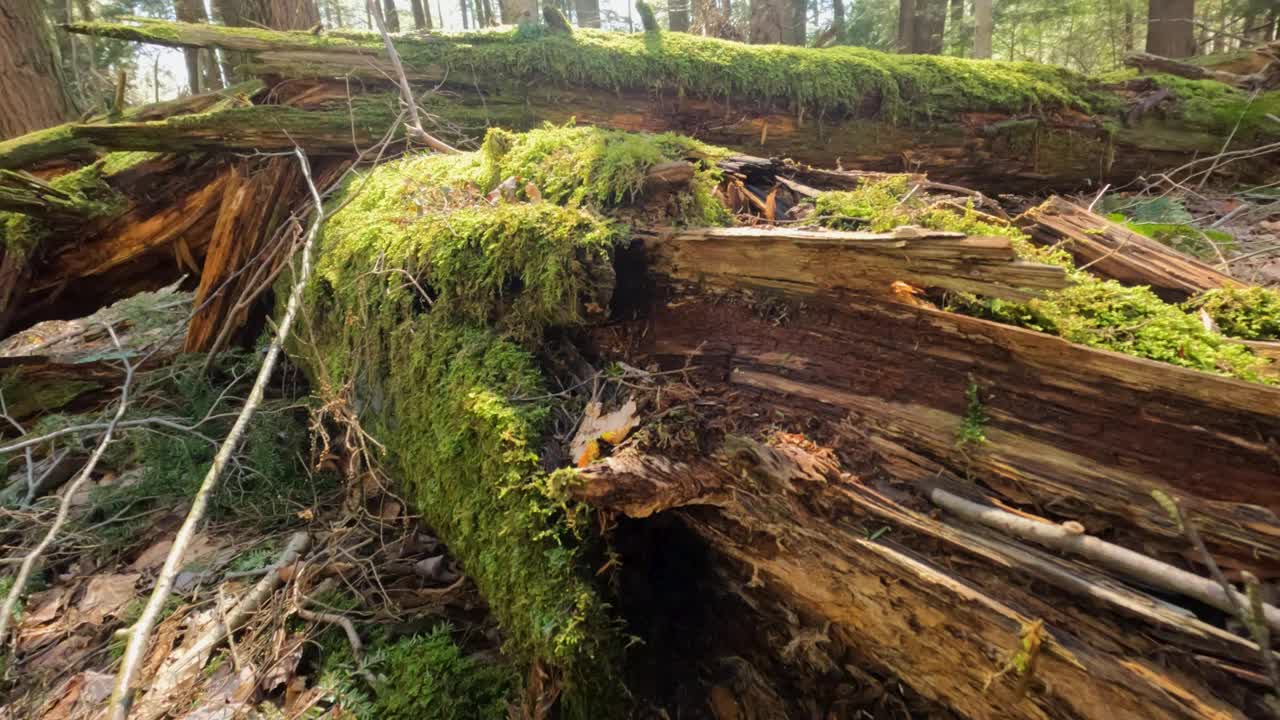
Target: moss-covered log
<point>987,124</point>
<point>806,413</point>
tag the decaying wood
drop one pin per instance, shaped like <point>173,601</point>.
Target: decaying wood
<point>1111,250</point>
<point>1266,78</point>
<point>939,606</point>
<point>868,262</point>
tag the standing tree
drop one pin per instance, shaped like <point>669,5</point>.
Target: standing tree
<point>421,14</point>
<point>1171,28</point>
<point>678,15</point>
<point>391,16</point>
<point>32,94</point>
<point>202,67</point>
<point>780,22</point>
<point>920,26</point>
<point>518,12</point>
<point>983,25</point>
<point>588,12</point>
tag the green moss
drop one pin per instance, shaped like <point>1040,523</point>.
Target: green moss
<point>429,300</point>
<point>1091,311</point>
<point>89,191</point>
<point>25,150</point>
<point>428,677</point>
<point>838,80</point>
<point>1217,108</point>
<point>1249,313</point>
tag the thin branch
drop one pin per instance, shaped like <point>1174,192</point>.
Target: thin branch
<point>1117,558</point>
<point>140,633</point>
<point>414,126</point>
<point>64,507</point>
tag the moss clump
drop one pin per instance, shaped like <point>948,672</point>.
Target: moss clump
<point>1217,108</point>
<point>427,676</point>
<point>1249,313</point>
<point>1205,244</point>
<point>1091,311</point>
<point>430,301</point>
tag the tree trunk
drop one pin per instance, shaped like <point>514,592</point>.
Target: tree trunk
<point>390,16</point>
<point>920,26</point>
<point>1170,28</point>
<point>678,15</point>
<point>1129,28</point>
<point>202,65</point>
<point>777,22</point>
<point>518,12</point>
<point>32,94</point>
<point>956,21</point>
<point>588,12</point>
<point>982,28</point>
<point>462,8</point>
<point>421,15</point>
<point>837,12</point>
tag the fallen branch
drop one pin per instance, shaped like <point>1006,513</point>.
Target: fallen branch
<point>1073,540</point>
<point>193,658</point>
<point>140,634</point>
<point>64,507</point>
<point>414,126</point>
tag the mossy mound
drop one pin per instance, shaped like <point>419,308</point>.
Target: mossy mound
<point>1091,311</point>
<point>434,284</point>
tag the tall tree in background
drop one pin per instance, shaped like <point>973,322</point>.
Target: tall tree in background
<point>983,28</point>
<point>1171,28</point>
<point>780,22</point>
<point>920,26</point>
<point>678,15</point>
<point>32,94</point>
<point>202,67</point>
<point>837,15</point>
<point>274,14</point>
<point>421,14</point>
<point>518,12</point>
<point>588,12</point>
<point>390,16</point>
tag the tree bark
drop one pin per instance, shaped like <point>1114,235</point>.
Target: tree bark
<point>983,28</point>
<point>32,93</point>
<point>588,12</point>
<point>678,15</point>
<point>518,12</point>
<point>920,26</point>
<point>837,12</point>
<point>390,16</point>
<point>421,14</point>
<point>1171,28</point>
<point>777,22</point>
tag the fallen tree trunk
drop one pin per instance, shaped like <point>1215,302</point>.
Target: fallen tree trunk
<point>1009,127</point>
<point>772,422</point>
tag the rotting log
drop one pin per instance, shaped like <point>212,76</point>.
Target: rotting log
<point>1111,250</point>
<point>985,125</point>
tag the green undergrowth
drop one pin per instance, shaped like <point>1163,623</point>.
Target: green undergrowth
<point>264,488</point>
<point>431,302</point>
<point>423,676</point>
<point>1090,311</point>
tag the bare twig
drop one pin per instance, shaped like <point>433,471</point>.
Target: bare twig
<point>1121,559</point>
<point>414,126</point>
<point>64,507</point>
<point>197,652</point>
<point>140,634</point>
